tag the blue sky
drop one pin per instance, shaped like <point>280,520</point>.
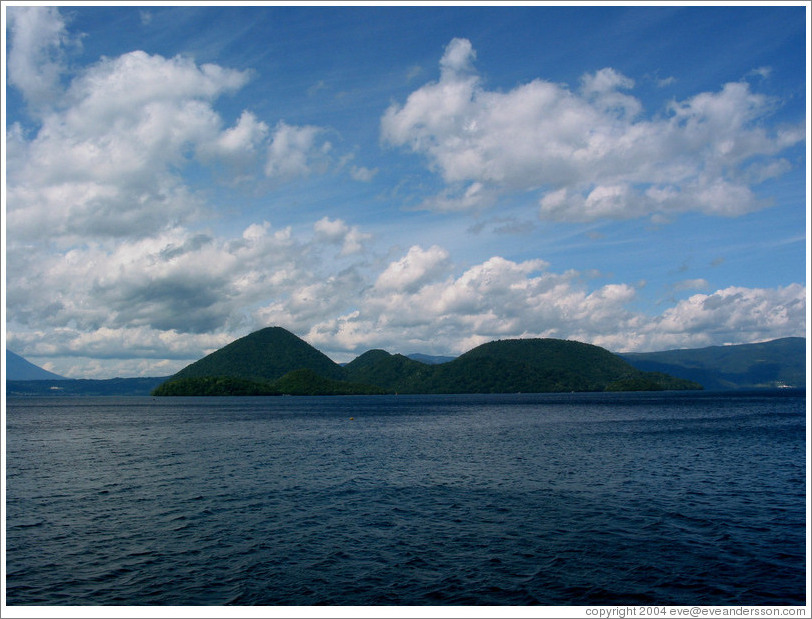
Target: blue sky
<point>412,178</point>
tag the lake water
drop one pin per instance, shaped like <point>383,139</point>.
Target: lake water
<point>572,499</point>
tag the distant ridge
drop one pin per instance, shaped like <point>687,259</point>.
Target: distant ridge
<point>778,363</point>
<point>18,368</point>
<point>275,361</point>
<point>85,387</point>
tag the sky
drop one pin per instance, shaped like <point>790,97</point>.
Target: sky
<point>410,178</point>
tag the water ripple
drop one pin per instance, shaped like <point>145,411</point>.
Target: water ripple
<point>514,500</point>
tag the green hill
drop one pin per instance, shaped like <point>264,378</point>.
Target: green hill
<point>274,361</point>
<point>213,386</point>
<point>395,373</point>
<point>778,363</point>
<point>264,356</point>
<point>539,366</point>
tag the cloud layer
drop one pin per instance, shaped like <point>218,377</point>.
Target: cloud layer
<point>180,295</point>
<point>588,153</point>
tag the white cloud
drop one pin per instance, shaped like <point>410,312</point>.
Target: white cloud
<point>458,58</point>
<point>336,231</point>
<point>602,90</point>
<point>36,59</point>
<point>176,281</point>
<point>730,315</point>
<point>242,141</point>
<point>762,72</point>
<point>109,353</point>
<point>109,161</point>
<point>315,88</point>
<point>106,164</point>
<point>414,270</point>
<point>415,305</point>
<point>295,151</point>
<point>587,154</point>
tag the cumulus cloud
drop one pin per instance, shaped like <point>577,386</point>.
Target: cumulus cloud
<point>337,232</point>
<point>109,156</point>
<point>107,163</point>
<point>416,302</point>
<point>590,153</point>
<point>239,144</point>
<point>731,315</point>
<point>170,296</point>
<point>176,281</point>
<point>295,151</point>
<point>412,271</point>
<point>36,59</point>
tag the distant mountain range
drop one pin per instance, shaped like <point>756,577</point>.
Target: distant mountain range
<point>25,378</point>
<point>258,363</point>
<point>775,364</point>
<point>85,386</point>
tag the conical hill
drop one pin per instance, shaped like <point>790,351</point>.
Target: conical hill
<point>266,355</point>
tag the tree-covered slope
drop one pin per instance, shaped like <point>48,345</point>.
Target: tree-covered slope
<point>213,386</point>
<point>264,355</point>
<point>539,366</point>
<point>395,373</point>
<point>297,382</point>
<point>771,364</point>
<point>307,382</point>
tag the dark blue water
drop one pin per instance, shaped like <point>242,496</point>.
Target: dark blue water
<point>464,500</point>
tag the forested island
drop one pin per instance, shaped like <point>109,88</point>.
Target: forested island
<point>274,361</point>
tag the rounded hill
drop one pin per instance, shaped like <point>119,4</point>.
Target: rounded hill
<point>539,366</point>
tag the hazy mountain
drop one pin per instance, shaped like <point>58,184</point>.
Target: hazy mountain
<point>778,363</point>
<point>18,368</point>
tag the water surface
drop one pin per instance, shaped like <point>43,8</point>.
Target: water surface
<point>668,498</point>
